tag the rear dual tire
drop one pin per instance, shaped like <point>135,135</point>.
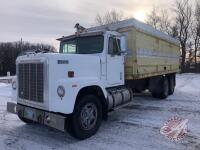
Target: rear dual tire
<point>165,88</point>
<point>171,84</point>
<point>162,89</point>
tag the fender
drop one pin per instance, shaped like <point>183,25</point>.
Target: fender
<point>72,87</point>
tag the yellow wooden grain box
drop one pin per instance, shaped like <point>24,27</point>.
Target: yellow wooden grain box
<point>150,52</point>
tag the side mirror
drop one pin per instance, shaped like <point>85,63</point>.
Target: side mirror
<point>123,45</point>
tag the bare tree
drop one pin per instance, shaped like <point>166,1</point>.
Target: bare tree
<point>196,31</point>
<point>153,18</point>
<point>174,31</point>
<point>165,22</point>
<point>160,20</point>
<point>183,22</point>
<point>109,17</point>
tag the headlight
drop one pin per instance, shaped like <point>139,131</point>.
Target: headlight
<point>14,86</point>
<point>61,91</point>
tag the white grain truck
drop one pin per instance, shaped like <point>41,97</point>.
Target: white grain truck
<point>94,73</point>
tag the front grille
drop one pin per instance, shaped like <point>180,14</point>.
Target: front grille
<point>31,81</point>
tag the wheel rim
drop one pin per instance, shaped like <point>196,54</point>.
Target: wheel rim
<point>88,116</point>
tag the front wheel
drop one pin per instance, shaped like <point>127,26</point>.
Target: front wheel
<point>87,117</point>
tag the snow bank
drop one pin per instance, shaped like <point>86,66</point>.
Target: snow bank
<point>5,90</point>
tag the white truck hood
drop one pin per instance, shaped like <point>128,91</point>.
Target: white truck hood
<point>56,71</point>
<point>81,64</point>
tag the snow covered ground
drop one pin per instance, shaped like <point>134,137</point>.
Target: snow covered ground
<point>133,127</point>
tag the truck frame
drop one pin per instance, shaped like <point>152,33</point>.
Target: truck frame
<point>96,71</point>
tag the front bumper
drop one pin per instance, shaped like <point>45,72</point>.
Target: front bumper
<point>50,119</point>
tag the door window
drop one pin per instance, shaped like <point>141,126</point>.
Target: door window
<point>114,46</point>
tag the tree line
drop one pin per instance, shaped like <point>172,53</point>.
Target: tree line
<point>181,21</point>
<point>10,50</point>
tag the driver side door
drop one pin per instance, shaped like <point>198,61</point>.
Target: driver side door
<point>115,62</point>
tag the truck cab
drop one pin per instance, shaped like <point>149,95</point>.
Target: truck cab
<point>104,45</point>
<point>74,89</point>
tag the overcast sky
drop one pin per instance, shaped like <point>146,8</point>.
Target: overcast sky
<point>46,20</point>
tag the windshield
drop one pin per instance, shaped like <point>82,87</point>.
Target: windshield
<point>83,45</point>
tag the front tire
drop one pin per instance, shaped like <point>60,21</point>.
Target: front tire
<point>87,117</point>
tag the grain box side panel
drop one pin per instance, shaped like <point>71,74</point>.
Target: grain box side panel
<point>130,59</point>
<point>155,56</point>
